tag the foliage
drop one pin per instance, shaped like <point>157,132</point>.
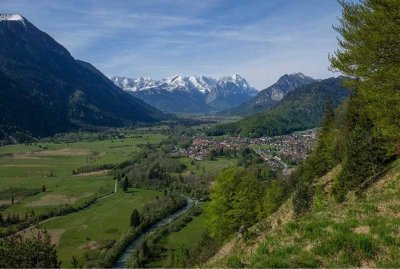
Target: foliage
<point>271,200</point>
<point>369,53</point>
<point>135,218</point>
<point>31,252</point>
<point>233,200</point>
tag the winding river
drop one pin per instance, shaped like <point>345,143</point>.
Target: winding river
<point>123,257</point>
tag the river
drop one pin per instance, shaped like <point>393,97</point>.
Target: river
<point>123,257</point>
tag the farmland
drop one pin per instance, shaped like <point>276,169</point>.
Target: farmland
<point>51,175</point>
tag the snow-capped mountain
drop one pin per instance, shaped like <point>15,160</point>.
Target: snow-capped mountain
<point>189,93</point>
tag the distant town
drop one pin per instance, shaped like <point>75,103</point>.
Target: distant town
<point>278,151</point>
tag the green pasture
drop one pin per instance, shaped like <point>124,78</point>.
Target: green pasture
<point>30,167</point>
<point>85,233</point>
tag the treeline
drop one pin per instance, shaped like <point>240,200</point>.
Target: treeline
<point>92,168</point>
<point>155,169</point>
<point>86,136</point>
<point>152,212</point>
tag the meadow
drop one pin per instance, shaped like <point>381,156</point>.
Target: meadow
<point>27,170</point>
<point>86,232</point>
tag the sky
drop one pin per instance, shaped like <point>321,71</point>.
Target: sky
<point>259,39</point>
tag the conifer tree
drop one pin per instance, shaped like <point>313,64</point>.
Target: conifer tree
<point>369,52</point>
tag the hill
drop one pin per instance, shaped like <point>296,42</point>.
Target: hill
<point>270,96</point>
<point>300,109</point>
<point>362,232</point>
<point>44,90</point>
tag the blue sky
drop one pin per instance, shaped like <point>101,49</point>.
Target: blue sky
<point>258,39</point>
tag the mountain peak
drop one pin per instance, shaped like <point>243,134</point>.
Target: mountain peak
<point>12,17</point>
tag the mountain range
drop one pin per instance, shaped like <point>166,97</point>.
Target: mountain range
<point>189,94</point>
<point>44,90</point>
<point>270,96</point>
<point>300,109</point>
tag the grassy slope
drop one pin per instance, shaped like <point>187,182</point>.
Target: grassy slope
<point>363,231</point>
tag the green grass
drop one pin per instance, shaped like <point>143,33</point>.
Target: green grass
<point>362,232</point>
<point>32,166</point>
<point>100,223</point>
<point>210,167</point>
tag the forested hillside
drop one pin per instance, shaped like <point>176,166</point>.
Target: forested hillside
<point>343,207</point>
<point>300,109</point>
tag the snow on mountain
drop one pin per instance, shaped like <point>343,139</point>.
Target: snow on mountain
<point>200,84</point>
<point>11,18</point>
<point>133,85</point>
<point>181,93</point>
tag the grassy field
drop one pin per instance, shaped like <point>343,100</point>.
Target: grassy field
<point>27,168</point>
<point>84,233</point>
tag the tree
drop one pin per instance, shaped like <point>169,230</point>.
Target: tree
<point>32,252</point>
<point>271,200</point>
<point>135,218</point>
<point>369,52</point>
<point>234,198</point>
<point>125,184</point>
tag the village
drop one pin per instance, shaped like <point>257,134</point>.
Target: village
<point>278,151</point>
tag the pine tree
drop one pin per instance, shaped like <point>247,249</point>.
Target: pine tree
<point>125,184</point>
<point>135,218</point>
